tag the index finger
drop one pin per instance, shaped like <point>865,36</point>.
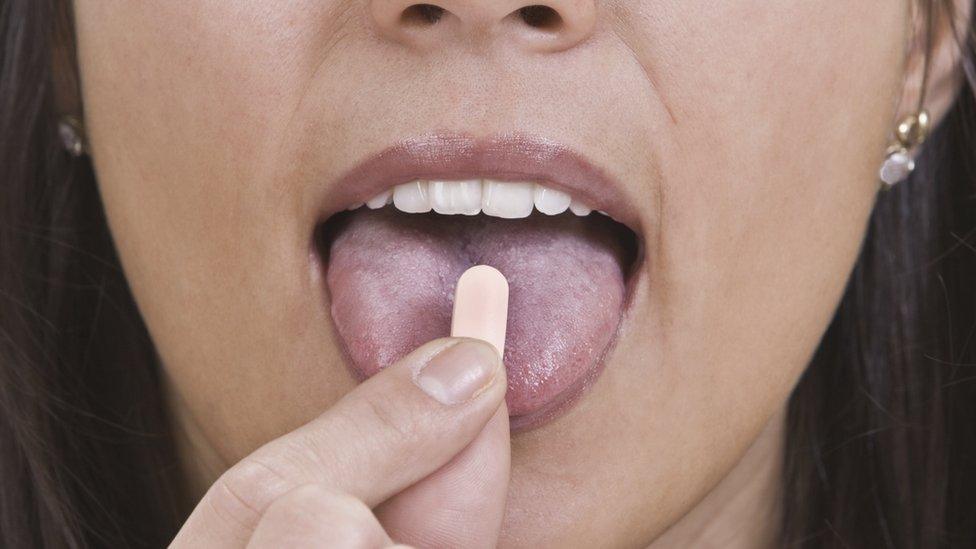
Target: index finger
<point>383,436</point>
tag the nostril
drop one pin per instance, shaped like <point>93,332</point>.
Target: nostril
<point>422,14</point>
<point>540,17</point>
<point>533,25</point>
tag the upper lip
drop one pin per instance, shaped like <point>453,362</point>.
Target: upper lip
<point>514,157</point>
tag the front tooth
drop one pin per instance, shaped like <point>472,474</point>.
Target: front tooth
<point>411,197</point>
<point>579,208</point>
<point>355,206</point>
<point>507,200</point>
<point>380,200</point>
<point>456,197</point>
<point>550,201</point>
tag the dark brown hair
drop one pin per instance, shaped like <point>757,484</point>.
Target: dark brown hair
<point>881,439</point>
<point>85,455</point>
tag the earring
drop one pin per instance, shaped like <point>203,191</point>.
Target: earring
<point>72,135</point>
<point>899,162</point>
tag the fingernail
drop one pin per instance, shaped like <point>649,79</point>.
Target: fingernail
<point>458,373</point>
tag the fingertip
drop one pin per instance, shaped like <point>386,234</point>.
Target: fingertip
<point>460,372</point>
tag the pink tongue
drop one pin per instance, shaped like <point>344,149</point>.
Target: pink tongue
<point>392,276</point>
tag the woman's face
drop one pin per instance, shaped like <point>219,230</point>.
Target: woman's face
<point>737,140</point>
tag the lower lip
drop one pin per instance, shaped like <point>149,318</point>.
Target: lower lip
<point>561,403</point>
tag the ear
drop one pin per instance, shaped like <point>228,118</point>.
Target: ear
<point>949,23</point>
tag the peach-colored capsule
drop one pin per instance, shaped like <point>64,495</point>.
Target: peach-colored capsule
<point>481,306</point>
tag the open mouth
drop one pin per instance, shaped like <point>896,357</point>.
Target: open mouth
<point>392,258</point>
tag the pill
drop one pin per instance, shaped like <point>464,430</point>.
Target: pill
<point>481,306</point>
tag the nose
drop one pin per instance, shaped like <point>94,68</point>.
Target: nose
<point>545,26</point>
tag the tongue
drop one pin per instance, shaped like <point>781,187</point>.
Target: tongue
<point>391,277</point>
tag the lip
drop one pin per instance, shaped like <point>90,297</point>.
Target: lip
<point>509,157</point>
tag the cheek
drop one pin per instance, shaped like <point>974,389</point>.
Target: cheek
<point>769,176</point>
<point>186,105</point>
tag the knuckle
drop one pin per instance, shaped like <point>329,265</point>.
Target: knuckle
<point>392,419</point>
<point>244,492</point>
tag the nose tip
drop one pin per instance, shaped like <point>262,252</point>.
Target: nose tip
<point>544,26</point>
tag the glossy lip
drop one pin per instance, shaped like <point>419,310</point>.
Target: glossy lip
<point>511,157</point>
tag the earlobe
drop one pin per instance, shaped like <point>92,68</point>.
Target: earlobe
<point>66,89</point>
<point>933,77</point>
<point>932,80</point>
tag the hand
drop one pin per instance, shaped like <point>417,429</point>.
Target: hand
<point>423,443</point>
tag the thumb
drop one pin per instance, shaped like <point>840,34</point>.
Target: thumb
<point>391,431</point>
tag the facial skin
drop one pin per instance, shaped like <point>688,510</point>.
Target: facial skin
<point>748,132</point>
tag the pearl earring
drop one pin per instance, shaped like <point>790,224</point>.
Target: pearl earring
<point>899,162</point>
<point>72,135</point>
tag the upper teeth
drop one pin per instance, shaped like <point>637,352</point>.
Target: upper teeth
<point>510,200</point>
